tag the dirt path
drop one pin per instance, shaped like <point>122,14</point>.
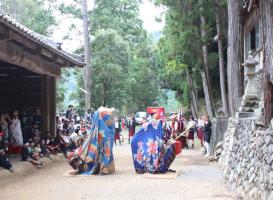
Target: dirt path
<point>198,179</point>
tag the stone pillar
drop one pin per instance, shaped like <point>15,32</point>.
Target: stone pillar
<point>250,72</point>
<point>250,100</point>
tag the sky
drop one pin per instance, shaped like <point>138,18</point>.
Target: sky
<point>148,13</point>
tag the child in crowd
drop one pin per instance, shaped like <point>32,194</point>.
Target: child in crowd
<point>52,147</point>
<point>29,155</point>
<point>44,150</point>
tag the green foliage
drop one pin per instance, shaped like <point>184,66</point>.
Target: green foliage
<point>181,46</point>
<point>111,57</point>
<point>124,61</point>
<point>31,13</point>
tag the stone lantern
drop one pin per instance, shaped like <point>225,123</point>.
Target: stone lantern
<point>250,72</point>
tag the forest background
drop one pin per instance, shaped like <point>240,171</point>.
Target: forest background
<point>184,65</point>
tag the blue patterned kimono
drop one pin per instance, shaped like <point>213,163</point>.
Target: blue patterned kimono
<point>148,150</point>
<point>95,155</point>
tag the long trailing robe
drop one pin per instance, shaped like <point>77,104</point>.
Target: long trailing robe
<point>149,152</point>
<point>95,156</point>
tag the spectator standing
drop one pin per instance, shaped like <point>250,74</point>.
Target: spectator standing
<point>207,133</point>
<point>37,123</point>
<point>15,130</point>
<point>132,127</point>
<point>88,116</point>
<point>200,133</point>
<point>37,119</point>
<point>117,131</point>
<point>123,123</point>
<point>69,113</point>
<point>190,138</point>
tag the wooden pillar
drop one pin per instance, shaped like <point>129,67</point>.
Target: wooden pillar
<point>48,92</point>
<point>53,106</point>
<point>43,102</point>
<point>48,104</point>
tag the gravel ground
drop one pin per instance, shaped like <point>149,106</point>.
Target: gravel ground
<point>198,179</point>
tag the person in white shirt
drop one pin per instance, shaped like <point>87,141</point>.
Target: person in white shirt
<point>75,138</point>
<point>117,130</point>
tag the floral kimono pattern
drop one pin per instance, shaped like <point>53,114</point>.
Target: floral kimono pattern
<point>95,155</point>
<point>148,150</point>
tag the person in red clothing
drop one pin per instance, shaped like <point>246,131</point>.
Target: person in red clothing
<point>123,123</point>
<point>180,129</point>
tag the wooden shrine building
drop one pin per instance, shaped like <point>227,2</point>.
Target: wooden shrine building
<point>29,66</point>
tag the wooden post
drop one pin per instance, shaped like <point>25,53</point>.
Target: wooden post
<point>52,106</point>
<point>43,102</point>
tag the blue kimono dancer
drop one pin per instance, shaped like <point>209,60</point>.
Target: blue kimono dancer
<point>95,155</point>
<point>149,152</point>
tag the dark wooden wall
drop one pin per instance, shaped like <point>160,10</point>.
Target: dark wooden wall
<point>19,88</point>
<point>24,90</point>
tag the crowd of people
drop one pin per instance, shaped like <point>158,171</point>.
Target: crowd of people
<point>24,136</point>
<point>173,127</point>
<point>14,136</point>
<point>177,127</point>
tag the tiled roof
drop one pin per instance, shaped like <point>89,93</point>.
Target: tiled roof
<point>40,39</point>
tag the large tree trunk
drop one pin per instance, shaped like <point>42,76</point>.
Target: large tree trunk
<point>87,50</point>
<point>266,12</point>
<point>206,93</point>
<point>221,58</point>
<point>205,71</point>
<point>235,86</point>
<point>193,100</point>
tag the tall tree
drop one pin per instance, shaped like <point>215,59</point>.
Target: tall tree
<point>220,35</point>
<point>87,51</point>
<point>111,60</point>
<point>205,70</point>
<point>234,55</point>
<point>119,44</point>
<point>189,32</point>
<point>266,10</point>
<point>193,98</point>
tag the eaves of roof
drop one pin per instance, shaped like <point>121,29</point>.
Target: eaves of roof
<point>41,40</point>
